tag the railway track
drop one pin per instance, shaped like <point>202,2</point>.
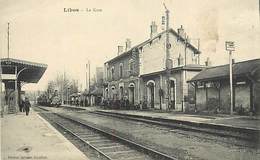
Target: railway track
<point>227,137</point>
<point>217,132</point>
<point>107,145</point>
<point>239,139</point>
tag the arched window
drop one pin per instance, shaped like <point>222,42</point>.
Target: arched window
<point>121,70</point>
<point>113,73</point>
<point>180,60</point>
<point>131,65</point>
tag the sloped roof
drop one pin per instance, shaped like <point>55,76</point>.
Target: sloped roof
<point>126,53</point>
<point>221,72</point>
<point>189,67</point>
<point>31,72</point>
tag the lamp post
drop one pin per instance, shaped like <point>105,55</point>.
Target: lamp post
<point>230,46</point>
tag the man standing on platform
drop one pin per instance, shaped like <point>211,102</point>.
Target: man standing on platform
<point>27,106</point>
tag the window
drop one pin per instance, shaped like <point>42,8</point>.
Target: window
<point>107,73</point>
<point>180,60</point>
<point>121,93</point>
<point>112,72</point>
<point>131,65</point>
<point>194,58</point>
<point>121,70</point>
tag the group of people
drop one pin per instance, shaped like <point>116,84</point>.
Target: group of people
<point>25,106</point>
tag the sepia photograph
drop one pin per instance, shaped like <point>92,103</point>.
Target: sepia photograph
<point>130,79</point>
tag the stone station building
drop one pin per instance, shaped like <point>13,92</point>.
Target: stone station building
<point>138,74</point>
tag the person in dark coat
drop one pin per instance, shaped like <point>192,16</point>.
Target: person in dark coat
<point>27,106</point>
<point>22,106</point>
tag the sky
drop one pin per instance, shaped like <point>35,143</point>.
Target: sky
<point>40,30</point>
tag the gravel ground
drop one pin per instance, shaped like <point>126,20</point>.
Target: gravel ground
<point>89,152</point>
<point>184,145</point>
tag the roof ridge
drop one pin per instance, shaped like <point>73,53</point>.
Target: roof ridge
<point>24,61</point>
<point>151,39</point>
<point>222,65</point>
<point>240,69</point>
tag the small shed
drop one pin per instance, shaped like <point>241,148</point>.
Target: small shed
<point>212,88</point>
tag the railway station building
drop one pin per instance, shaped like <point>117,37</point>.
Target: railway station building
<point>212,88</point>
<point>138,73</point>
<point>14,74</point>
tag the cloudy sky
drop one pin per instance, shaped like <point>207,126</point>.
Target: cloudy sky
<point>42,32</point>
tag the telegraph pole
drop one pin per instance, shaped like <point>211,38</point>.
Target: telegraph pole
<point>8,40</point>
<point>230,46</point>
<point>167,60</point>
<point>88,76</point>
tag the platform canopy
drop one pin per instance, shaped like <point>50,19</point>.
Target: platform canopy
<point>30,72</point>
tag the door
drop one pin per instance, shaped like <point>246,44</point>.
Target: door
<point>150,94</point>
<point>172,94</point>
<point>131,95</point>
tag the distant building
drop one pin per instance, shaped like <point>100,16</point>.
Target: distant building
<point>99,75</point>
<point>212,88</point>
<point>94,96</point>
<point>138,73</point>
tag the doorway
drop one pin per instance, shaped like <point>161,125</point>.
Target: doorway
<point>172,94</point>
<point>151,93</point>
<point>121,93</point>
<point>132,93</point>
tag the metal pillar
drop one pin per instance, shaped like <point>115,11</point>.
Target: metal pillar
<point>16,90</point>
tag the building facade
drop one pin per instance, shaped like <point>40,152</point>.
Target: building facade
<point>122,76</point>
<point>139,74</point>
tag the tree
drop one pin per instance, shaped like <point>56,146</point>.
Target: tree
<point>61,83</point>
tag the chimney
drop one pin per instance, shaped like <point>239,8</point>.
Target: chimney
<point>208,62</point>
<point>163,23</point>
<point>188,39</point>
<point>233,61</point>
<point>127,44</point>
<point>181,32</point>
<point>153,29</point>
<point>120,49</point>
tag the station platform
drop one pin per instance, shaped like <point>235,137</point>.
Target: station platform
<point>247,123</point>
<point>31,137</point>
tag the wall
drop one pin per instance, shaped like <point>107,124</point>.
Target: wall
<point>225,97</point>
<point>116,64</point>
<point>257,97</point>
<point>241,97</point>
<point>153,54</point>
<point>176,76</point>
<point>201,99</point>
